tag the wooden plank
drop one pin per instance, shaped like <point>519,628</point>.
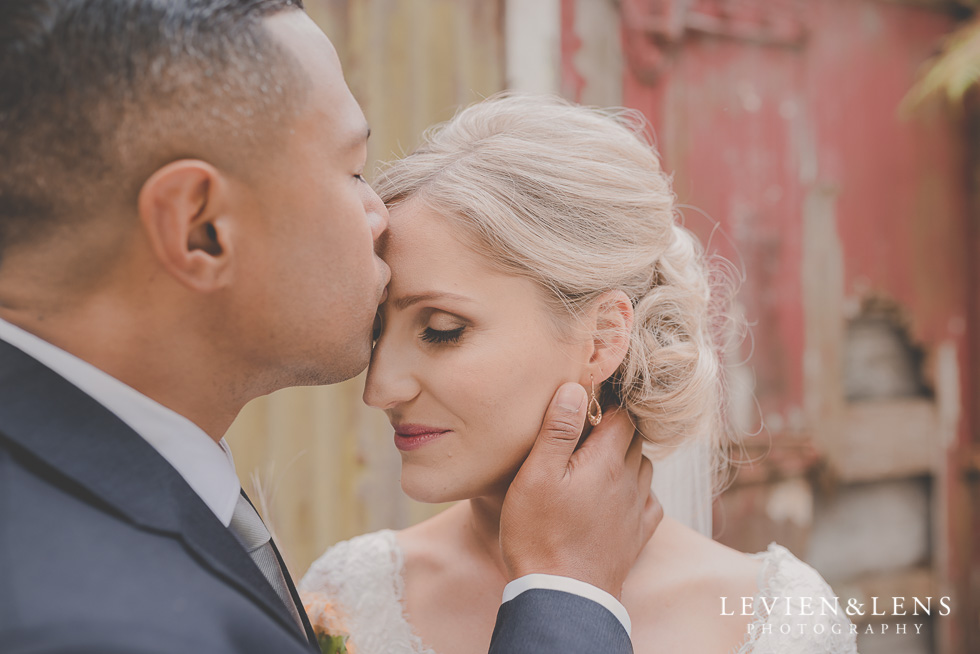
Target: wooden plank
<point>911,582</point>
<point>887,439</point>
<point>591,51</point>
<point>533,45</point>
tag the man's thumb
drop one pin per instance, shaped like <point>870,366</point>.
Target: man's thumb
<point>561,430</point>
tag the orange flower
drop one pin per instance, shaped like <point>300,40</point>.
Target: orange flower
<point>328,623</point>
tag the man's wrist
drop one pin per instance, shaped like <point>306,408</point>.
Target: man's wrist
<point>568,585</point>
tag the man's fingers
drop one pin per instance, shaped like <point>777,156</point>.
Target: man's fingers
<point>613,435</point>
<point>560,431</point>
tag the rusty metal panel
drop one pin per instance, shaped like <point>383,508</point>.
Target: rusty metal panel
<point>753,129</point>
<point>779,121</point>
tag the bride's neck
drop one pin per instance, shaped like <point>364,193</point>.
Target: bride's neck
<point>483,525</point>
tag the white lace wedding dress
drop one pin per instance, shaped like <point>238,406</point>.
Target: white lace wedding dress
<point>362,581</point>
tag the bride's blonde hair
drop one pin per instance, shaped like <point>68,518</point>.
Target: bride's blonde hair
<point>575,199</point>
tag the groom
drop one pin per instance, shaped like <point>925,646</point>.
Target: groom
<point>183,228</point>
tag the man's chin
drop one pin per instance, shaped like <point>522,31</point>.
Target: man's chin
<point>333,371</point>
<point>355,368</point>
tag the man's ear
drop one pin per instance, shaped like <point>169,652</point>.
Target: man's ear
<point>613,323</point>
<point>182,209</point>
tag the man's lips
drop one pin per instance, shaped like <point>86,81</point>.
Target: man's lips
<point>411,437</point>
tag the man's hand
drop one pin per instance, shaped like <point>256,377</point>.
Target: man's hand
<point>584,514</point>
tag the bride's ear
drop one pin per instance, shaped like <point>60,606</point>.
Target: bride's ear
<point>612,318</point>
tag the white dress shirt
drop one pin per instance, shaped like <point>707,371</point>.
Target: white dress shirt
<point>207,466</point>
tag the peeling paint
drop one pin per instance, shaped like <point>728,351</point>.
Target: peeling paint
<point>948,395</point>
<point>792,501</point>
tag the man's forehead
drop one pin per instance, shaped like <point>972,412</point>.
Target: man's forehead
<point>329,101</point>
<point>314,53</point>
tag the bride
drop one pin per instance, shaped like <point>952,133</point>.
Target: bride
<point>534,242</point>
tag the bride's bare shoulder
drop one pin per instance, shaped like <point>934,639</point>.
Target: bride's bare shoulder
<point>674,592</point>
<point>431,550</point>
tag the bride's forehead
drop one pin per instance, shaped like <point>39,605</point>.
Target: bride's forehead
<point>422,248</point>
<point>415,228</point>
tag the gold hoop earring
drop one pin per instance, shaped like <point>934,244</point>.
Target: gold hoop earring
<point>594,412</point>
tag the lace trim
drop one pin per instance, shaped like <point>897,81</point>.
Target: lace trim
<point>784,575</point>
<point>764,585</point>
<point>365,576</point>
<point>398,559</point>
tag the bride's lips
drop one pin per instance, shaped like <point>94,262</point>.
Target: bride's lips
<point>412,437</point>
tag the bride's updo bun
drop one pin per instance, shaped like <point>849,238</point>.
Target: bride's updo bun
<point>574,199</point>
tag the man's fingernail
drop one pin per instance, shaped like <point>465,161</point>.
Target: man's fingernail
<point>570,397</point>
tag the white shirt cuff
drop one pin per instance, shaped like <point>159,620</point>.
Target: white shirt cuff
<point>569,585</point>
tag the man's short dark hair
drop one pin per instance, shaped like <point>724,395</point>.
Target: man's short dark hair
<point>97,94</point>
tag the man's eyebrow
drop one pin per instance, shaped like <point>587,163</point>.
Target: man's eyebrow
<point>408,300</point>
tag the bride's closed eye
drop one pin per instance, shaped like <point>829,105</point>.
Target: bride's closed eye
<point>443,328</point>
<point>438,336</point>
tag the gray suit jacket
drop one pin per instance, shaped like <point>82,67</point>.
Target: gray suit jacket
<point>105,549</point>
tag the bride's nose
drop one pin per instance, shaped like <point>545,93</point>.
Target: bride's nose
<point>390,376</point>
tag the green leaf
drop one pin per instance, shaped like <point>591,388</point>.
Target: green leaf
<point>332,644</point>
<point>953,72</point>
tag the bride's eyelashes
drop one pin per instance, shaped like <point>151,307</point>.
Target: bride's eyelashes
<point>436,336</point>
<point>441,327</point>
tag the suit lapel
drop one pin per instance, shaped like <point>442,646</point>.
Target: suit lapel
<point>50,419</point>
<point>222,552</point>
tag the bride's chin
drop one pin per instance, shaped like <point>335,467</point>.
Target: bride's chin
<point>427,495</point>
<point>427,492</point>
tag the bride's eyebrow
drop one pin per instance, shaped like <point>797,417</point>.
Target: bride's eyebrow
<point>408,300</point>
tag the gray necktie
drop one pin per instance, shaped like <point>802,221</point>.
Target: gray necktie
<point>254,537</point>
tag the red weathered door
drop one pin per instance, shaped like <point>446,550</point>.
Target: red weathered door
<point>780,122</point>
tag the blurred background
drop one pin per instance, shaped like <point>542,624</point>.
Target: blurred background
<point>836,144</point>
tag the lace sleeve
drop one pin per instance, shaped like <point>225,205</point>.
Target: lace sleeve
<point>796,611</point>
<point>361,583</point>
